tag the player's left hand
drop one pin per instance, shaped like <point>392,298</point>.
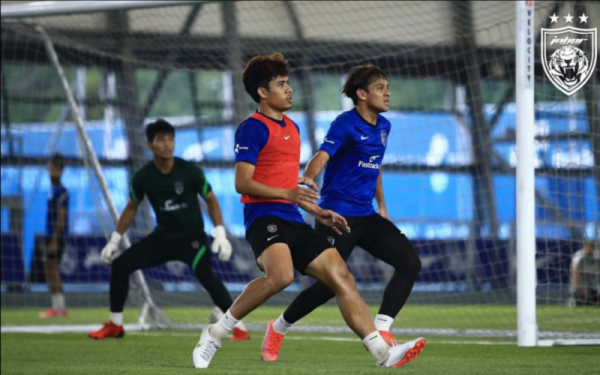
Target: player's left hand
<point>221,244</point>
<point>334,221</point>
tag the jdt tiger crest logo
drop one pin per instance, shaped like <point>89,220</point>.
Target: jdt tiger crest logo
<point>569,55</point>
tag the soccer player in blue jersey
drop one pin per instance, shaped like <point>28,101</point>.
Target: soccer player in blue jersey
<point>267,168</point>
<point>57,226</point>
<point>353,151</point>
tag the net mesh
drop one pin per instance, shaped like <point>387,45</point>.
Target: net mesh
<point>448,170</point>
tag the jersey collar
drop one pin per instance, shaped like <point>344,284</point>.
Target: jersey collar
<point>280,122</point>
<point>365,121</point>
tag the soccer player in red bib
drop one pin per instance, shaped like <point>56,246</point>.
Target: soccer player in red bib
<point>353,151</point>
<point>267,151</point>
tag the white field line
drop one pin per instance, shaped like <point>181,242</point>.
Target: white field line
<point>138,330</point>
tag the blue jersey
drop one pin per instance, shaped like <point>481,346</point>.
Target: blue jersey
<point>59,197</point>
<point>250,138</point>
<point>356,149</point>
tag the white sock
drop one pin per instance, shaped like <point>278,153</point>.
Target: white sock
<point>58,301</point>
<point>241,325</point>
<point>281,326</point>
<point>116,318</point>
<point>383,322</point>
<point>222,328</point>
<point>374,342</point>
<point>54,301</point>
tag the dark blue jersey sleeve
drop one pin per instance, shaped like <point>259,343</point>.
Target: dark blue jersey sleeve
<point>336,137</point>
<point>250,138</point>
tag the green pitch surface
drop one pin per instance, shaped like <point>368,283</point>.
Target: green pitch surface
<point>169,352</point>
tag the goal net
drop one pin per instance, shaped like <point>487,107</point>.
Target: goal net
<point>448,173</point>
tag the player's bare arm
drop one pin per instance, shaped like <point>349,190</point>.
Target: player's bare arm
<point>314,167</point>
<point>380,197</point>
<point>127,217</point>
<point>245,184</point>
<point>214,209</point>
<point>61,222</point>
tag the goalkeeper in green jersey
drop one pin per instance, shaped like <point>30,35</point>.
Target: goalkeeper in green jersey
<point>172,186</point>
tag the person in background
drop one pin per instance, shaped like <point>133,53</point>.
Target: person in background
<point>585,275</point>
<point>57,218</point>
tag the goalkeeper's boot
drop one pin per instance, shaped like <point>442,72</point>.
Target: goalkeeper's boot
<point>388,338</point>
<point>271,344</point>
<point>402,354</point>
<point>205,350</point>
<point>53,313</point>
<point>108,331</point>
<point>240,334</point>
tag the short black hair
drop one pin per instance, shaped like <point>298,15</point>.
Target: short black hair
<point>58,160</point>
<point>261,70</point>
<point>159,126</point>
<point>360,77</point>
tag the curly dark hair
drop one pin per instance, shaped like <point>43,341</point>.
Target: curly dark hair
<point>261,70</point>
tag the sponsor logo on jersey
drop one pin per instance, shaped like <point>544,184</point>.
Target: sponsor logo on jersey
<point>170,207</point>
<point>371,164</point>
<point>238,148</point>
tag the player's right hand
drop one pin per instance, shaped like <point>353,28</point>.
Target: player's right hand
<point>110,251</point>
<point>334,221</point>
<point>302,195</point>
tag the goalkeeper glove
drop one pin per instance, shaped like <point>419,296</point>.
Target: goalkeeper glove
<point>220,244</point>
<point>110,251</point>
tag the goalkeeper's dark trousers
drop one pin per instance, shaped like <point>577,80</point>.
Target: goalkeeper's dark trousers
<point>384,241</point>
<point>154,250</point>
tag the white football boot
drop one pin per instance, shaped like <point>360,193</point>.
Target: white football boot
<point>205,350</point>
<point>402,354</point>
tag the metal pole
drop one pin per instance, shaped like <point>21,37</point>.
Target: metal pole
<point>526,270</point>
<point>87,145</point>
<point>54,8</point>
<point>234,59</point>
<point>5,115</point>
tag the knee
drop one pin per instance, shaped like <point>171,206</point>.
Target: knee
<point>415,264</point>
<point>407,259</point>
<point>119,268</point>
<point>342,278</point>
<point>278,282</point>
